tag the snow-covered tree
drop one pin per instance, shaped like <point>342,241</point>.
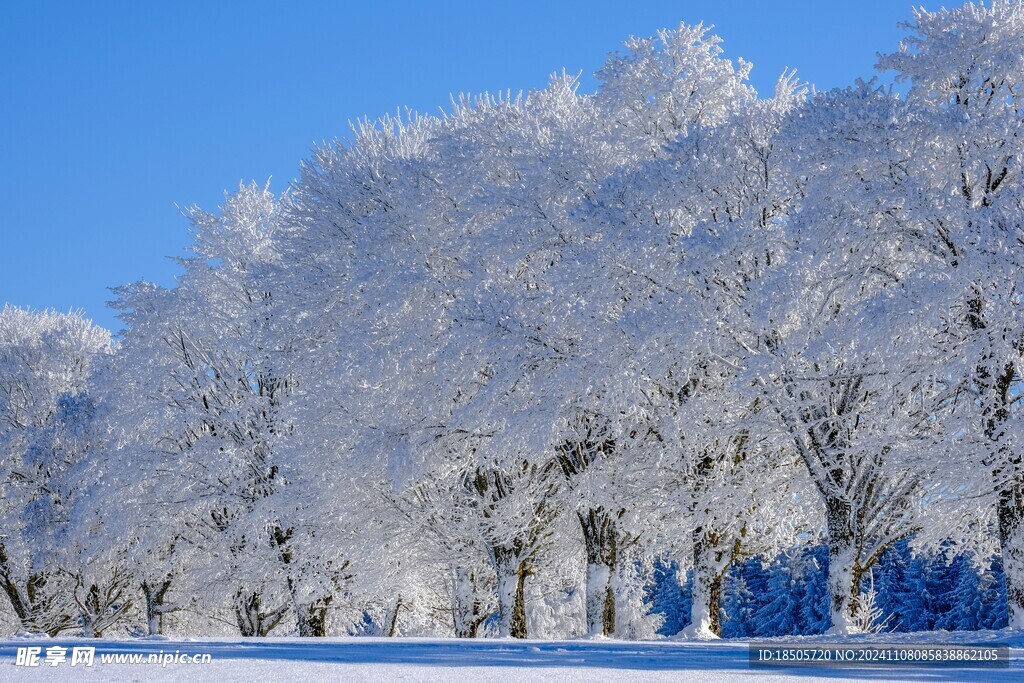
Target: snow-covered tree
<point>845,357</point>
<point>966,74</point>
<point>211,358</point>
<point>47,433</point>
<point>491,372</point>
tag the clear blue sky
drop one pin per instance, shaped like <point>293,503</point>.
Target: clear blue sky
<point>112,113</point>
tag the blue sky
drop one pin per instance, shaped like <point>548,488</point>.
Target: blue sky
<point>111,113</point>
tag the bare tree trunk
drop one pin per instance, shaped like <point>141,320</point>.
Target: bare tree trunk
<point>599,542</point>
<point>1010,512</point>
<point>519,606</point>
<point>100,606</point>
<point>512,573</point>
<point>995,384</point>
<point>465,606</point>
<point>155,607</point>
<point>504,567</point>
<point>390,626</point>
<point>89,626</point>
<point>844,568</point>
<point>712,556</point>
<point>252,620</point>
<point>312,617</point>
<point>21,604</point>
<point>34,610</point>
<point>1010,494</point>
<point>247,613</point>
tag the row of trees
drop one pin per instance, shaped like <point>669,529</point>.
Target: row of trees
<point>473,373</point>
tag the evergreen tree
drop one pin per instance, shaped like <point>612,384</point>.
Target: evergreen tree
<point>964,598</point>
<point>813,599</point>
<point>666,596</point>
<point>889,577</point>
<point>914,599</point>
<point>738,607</point>
<point>993,608</point>
<point>778,614</point>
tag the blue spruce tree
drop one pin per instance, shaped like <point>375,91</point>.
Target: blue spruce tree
<point>738,606</point>
<point>667,597</point>
<point>812,590</point>
<point>778,614</point>
<point>993,612</point>
<point>963,599</point>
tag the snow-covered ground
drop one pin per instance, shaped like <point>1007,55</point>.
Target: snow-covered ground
<point>413,659</point>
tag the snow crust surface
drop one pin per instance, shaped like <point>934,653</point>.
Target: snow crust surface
<point>412,659</point>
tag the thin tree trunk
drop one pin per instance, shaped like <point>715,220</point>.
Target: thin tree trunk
<point>22,608</point>
<point>390,626</point>
<point>599,542</point>
<point>88,626</point>
<point>155,607</point>
<point>465,606</point>
<point>519,607</point>
<point>505,569</point>
<point>247,613</point>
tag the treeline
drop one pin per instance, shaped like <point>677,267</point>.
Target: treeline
<point>789,594</point>
<point>473,373</point>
